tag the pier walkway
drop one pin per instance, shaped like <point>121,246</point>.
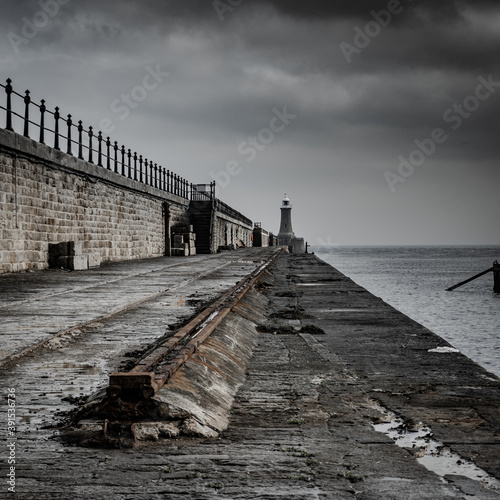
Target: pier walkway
<point>332,368</point>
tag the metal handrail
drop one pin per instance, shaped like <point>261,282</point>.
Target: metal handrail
<point>109,154</point>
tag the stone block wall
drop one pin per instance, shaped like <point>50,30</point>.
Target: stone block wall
<point>260,237</point>
<point>184,240</point>
<point>227,231</point>
<point>47,197</point>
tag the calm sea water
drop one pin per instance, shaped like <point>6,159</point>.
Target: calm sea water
<point>414,280</point>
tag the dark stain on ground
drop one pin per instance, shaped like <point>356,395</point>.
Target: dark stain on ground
<point>291,312</point>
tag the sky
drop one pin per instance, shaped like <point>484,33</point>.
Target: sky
<point>379,119</point>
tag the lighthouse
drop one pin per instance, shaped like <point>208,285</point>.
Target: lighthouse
<point>285,236</point>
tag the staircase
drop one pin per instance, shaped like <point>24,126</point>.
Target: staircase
<point>200,214</point>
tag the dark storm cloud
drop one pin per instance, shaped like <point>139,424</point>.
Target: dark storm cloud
<point>426,33</point>
<point>225,77</point>
<point>355,9</point>
<point>310,10</point>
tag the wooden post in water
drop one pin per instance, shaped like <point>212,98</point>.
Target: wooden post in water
<point>496,277</point>
<point>469,280</point>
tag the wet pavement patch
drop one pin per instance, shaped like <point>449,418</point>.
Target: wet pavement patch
<point>418,439</point>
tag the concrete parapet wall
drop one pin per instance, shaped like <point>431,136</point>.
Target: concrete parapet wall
<point>49,197</point>
<point>227,231</point>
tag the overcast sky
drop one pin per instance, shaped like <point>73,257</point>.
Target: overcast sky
<point>379,119</point>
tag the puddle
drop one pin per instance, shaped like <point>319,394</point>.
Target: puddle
<point>443,350</point>
<point>431,453</point>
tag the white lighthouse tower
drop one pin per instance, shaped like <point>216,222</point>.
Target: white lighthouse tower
<point>286,235</point>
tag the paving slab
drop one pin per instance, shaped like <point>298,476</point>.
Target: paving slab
<point>36,306</point>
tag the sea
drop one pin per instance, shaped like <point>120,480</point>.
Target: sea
<point>414,281</point>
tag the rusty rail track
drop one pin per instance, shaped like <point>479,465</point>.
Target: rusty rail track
<point>157,367</point>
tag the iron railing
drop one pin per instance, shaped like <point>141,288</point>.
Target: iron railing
<point>89,146</point>
<point>203,192</point>
<point>226,209</point>
<point>206,192</point>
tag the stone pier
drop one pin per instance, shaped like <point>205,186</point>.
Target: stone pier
<point>330,363</point>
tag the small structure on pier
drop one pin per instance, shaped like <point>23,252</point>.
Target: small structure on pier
<point>286,236</point>
<point>263,238</point>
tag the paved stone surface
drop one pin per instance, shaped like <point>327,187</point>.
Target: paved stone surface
<point>301,426</point>
<point>35,306</point>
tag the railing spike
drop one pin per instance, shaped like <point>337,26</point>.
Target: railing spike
<point>91,150</point>
<point>108,153</point>
<point>56,129</point>
<point>80,140</point>
<point>115,147</point>
<point>99,152</point>
<point>27,100</point>
<point>42,121</point>
<point>123,160</point>
<point>8,91</point>
<point>70,124</point>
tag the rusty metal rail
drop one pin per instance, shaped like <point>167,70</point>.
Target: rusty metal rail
<point>154,371</point>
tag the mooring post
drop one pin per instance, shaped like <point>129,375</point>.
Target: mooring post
<point>496,277</point>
